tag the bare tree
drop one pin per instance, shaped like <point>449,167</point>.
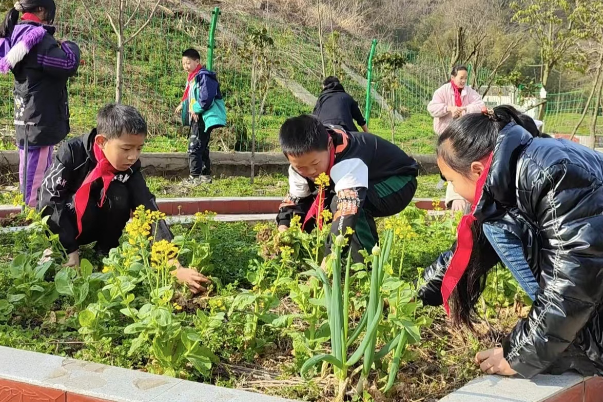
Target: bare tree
<point>116,11</point>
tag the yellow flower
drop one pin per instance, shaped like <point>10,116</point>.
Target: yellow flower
<point>163,251</point>
<point>295,222</point>
<point>322,180</point>
<point>327,215</point>
<point>107,269</point>
<point>177,307</point>
<point>286,253</point>
<point>349,231</point>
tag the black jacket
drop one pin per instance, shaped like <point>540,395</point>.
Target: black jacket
<point>549,193</point>
<point>73,162</point>
<point>336,107</point>
<point>41,107</point>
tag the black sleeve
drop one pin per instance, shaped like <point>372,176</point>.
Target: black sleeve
<point>431,291</point>
<point>357,114</point>
<point>54,196</point>
<point>292,206</point>
<point>141,195</point>
<point>349,204</point>
<point>61,60</point>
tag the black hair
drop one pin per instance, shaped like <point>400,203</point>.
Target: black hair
<point>114,120</point>
<point>466,140</point>
<point>473,136</point>
<point>456,69</point>
<point>302,134</point>
<point>25,6</point>
<point>330,80</point>
<point>192,54</point>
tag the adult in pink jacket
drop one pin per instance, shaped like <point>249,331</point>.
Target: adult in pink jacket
<point>453,100</point>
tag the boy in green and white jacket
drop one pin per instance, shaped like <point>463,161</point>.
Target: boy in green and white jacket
<point>202,108</point>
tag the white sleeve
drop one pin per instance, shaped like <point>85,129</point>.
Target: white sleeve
<point>298,185</point>
<point>350,173</point>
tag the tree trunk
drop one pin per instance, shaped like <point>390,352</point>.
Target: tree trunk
<point>120,55</point>
<point>545,78</point>
<point>119,74</point>
<point>253,89</point>
<point>320,42</point>
<point>590,96</point>
<point>593,123</point>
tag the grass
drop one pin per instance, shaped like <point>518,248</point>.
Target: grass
<point>264,186</point>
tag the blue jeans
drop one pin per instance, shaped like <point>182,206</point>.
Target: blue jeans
<point>510,251</point>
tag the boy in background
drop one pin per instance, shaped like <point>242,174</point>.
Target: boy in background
<point>201,108</point>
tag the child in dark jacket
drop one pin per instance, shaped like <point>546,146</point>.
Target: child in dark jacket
<point>95,183</point>
<point>369,177</point>
<point>202,108</point>
<point>41,66</point>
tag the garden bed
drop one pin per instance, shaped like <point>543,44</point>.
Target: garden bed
<point>262,318</point>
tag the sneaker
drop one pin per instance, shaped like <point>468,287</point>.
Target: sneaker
<point>196,181</point>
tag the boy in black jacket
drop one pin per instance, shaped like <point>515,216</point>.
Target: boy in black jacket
<point>369,177</point>
<point>95,183</point>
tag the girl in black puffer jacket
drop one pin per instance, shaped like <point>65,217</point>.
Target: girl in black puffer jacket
<point>41,66</point>
<point>538,209</point>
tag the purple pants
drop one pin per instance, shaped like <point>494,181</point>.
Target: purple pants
<point>39,160</point>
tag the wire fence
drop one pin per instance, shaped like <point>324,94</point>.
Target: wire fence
<point>154,79</point>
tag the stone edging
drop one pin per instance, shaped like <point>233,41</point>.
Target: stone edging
<point>221,205</point>
<point>227,163</point>
<point>568,387</point>
<point>31,376</point>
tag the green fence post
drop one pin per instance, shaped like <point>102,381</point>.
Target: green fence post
<point>369,81</point>
<point>210,42</point>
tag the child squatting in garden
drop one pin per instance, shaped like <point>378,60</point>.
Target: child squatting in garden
<point>94,184</point>
<point>537,207</point>
<point>367,177</point>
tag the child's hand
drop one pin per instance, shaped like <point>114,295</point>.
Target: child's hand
<point>192,279</point>
<point>194,116</point>
<point>492,361</point>
<point>73,259</point>
<point>178,109</point>
<point>283,228</point>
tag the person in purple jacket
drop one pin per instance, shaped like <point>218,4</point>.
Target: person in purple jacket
<point>41,66</point>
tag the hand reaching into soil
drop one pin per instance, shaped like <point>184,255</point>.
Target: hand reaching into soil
<point>492,361</point>
<point>73,259</point>
<point>193,279</point>
<point>282,228</point>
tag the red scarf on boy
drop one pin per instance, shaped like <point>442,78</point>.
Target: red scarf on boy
<point>188,81</point>
<point>103,170</point>
<point>320,198</point>
<point>457,94</point>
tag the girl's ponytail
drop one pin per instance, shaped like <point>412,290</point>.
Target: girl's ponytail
<point>10,20</point>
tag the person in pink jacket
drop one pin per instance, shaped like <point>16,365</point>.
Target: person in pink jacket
<point>453,100</point>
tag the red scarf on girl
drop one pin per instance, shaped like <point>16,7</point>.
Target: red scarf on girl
<point>30,17</point>
<point>457,94</point>
<point>103,170</point>
<point>188,81</point>
<point>464,243</point>
<point>318,204</point>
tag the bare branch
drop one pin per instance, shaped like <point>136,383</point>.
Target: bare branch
<point>85,4</point>
<point>133,14</point>
<point>135,34</point>
<point>112,24</point>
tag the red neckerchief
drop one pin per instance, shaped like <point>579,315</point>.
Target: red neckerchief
<point>188,81</point>
<point>31,17</point>
<point>318,204</point>
<point>457,94</point>
<point>103,170</point>
<point>464,243</point>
